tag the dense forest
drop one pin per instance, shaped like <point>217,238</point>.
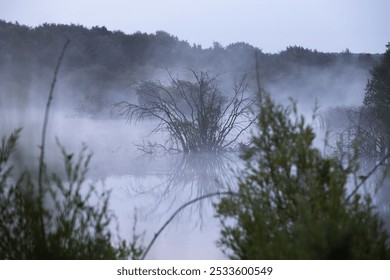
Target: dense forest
<point>101,65</point>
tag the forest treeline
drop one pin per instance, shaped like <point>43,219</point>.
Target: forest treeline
<point>101,64</point>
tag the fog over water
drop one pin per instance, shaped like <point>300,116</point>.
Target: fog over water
<point>154,186</point>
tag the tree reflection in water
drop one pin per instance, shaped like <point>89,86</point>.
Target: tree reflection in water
<point>188,176</point>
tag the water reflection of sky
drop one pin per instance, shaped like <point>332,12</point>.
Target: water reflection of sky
<point>156,193</point>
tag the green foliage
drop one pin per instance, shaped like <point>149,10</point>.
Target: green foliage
<point>67,220</point>
<point>292,201</point>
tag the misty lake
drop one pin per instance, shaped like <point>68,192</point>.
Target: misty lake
<point>148,187</point>
<point>152,186</point>
<point>121,85</point>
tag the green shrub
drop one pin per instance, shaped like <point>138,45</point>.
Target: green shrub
<point>61,219</point>
<point>292,202</point>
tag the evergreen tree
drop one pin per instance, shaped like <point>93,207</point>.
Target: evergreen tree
<point>377,95</point>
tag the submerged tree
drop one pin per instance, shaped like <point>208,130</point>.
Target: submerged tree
<point>293,203</point>
<point>196,115</point>
<point>367,126</point>
<point>357,126</point>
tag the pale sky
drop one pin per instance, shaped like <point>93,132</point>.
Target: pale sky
<point>271,25</point>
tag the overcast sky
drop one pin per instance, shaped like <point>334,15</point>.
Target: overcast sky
<point>272,25</point>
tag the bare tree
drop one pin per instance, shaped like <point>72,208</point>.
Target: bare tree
<point>357,127</point>
<point>196,115</point>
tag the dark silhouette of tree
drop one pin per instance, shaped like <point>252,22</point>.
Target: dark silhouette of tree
<point>367,126</point>
<point>196,115</point>
<point>377,96</point>
<point>356,127</point>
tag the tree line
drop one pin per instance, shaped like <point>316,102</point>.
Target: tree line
<point>101,64</point>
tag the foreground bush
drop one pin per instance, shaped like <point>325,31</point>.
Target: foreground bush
<point>58,219</point>
<point>292,201</point>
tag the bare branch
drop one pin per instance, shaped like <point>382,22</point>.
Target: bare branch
<point>43,138</point>
<point>177,212</point>
<point>369,174</point>
<point>197,116</point>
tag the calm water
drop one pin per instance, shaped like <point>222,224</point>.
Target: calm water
<point>152,186</point>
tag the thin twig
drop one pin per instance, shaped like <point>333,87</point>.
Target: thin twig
<point>177,212</point>
<point>364,179</point>
<point>259,87</point>
<point>43,139</point>
<point>46,118</point>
